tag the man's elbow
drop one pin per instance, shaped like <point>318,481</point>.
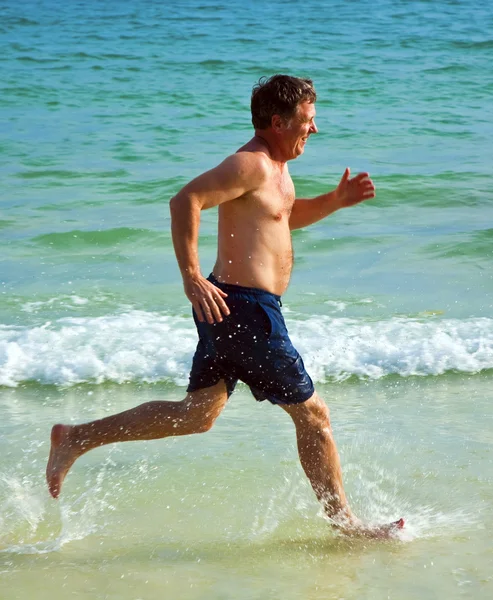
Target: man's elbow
<point>184,202</point>
<point>177,204</point>
<point>172,205</point>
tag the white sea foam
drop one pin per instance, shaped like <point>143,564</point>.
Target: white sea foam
<point>139,346</point>
<point>71,302</point>
<point>339,348</point>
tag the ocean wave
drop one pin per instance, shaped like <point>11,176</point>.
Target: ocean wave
<point>143,347</point>
<point>105,238</point>
<point>477,245</point>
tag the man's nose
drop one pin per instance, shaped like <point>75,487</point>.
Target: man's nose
<point>313,128</point>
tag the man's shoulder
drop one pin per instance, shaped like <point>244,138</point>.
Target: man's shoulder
<point>249,163</point>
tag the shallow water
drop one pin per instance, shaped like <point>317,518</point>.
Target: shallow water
<point>229,513</point>
<point>107,110</point>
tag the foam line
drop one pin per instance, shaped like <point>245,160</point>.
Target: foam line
<point>139,346</point>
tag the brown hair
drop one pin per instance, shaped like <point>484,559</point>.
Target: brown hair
<point>279,95</point>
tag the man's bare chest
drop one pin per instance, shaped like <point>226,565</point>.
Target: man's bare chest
<point>277,197</point>
<point>272,202</point>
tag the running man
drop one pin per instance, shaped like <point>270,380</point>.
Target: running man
<point>242,334</point>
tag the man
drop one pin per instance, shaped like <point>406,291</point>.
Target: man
<point>242,334</point>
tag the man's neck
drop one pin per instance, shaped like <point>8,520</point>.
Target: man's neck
<point>275,153</point>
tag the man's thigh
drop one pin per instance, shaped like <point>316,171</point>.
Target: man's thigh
<point>312,411</point>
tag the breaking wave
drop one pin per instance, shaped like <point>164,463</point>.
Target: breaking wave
<point>139,346</point>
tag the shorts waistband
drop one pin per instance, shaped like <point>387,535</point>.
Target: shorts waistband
<point>241,289</point>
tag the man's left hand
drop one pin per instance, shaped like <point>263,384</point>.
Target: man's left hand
<point>353,191</point>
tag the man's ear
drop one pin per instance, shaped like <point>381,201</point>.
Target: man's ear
<point>277,123</point>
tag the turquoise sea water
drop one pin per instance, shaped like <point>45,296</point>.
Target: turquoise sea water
<point>107,109</point>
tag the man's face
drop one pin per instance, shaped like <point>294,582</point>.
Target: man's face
<point>299,128</point>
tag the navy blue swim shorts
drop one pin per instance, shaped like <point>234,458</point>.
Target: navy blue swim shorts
<point>252,345</point>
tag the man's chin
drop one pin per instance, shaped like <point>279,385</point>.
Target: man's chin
<point>298,151</point>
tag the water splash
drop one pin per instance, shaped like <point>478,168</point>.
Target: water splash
<point>27,509</point>
<point>292,497</point>
<point>377,496</point>
<point>21,507</point>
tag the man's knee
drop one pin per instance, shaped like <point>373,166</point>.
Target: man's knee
<point>191,419</point>
<point>199,410</point>
<point>315,427</point>
<point>203,424</point>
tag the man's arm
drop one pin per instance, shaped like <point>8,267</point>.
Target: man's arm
<point>348,193</point>
<point>233,178</point>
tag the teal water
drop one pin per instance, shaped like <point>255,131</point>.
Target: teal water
<point>107,109</point>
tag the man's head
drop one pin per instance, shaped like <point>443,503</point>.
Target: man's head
<point>279,95</point>
<point>283,113</point>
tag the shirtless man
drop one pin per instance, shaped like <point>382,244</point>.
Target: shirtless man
<point>242,334</point>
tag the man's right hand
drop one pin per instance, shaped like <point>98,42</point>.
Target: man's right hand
<point>207,299</point>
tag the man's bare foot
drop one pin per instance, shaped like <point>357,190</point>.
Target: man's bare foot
<point>62,457</point>
<point>375,532</point>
